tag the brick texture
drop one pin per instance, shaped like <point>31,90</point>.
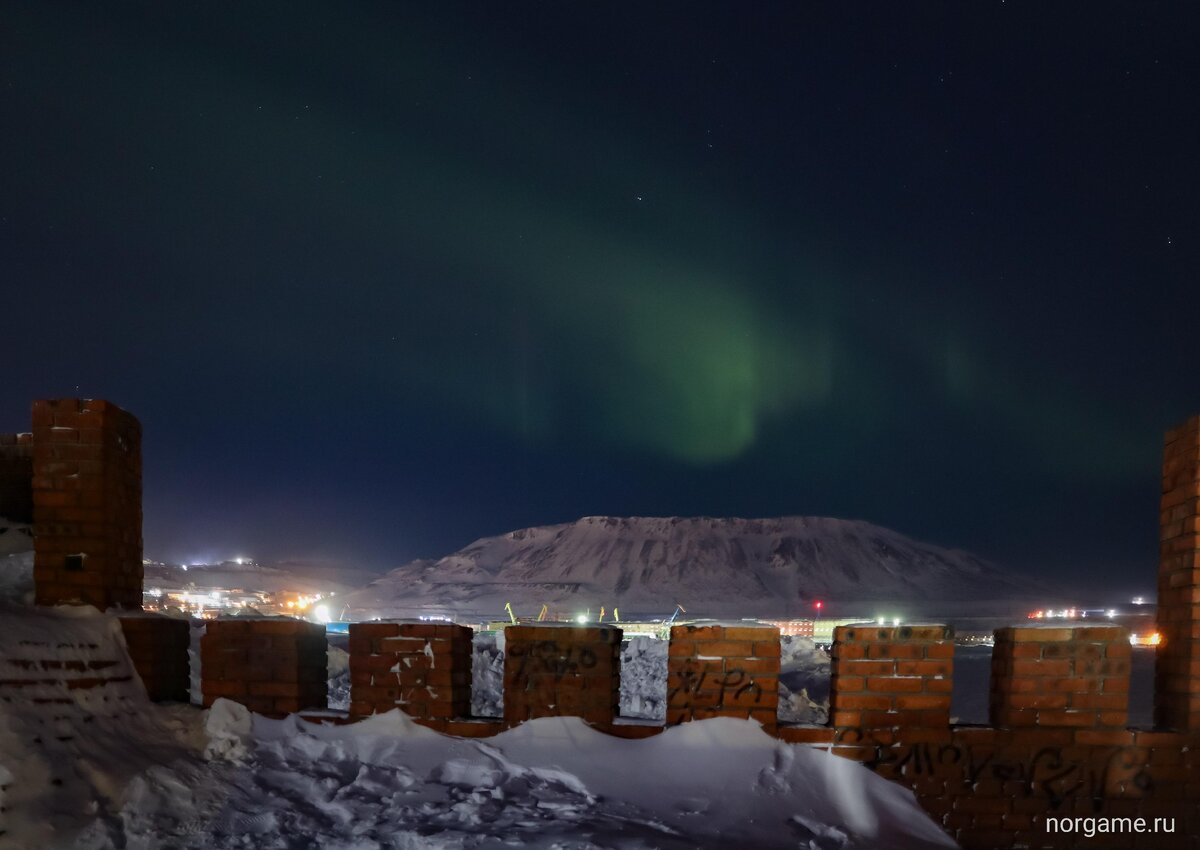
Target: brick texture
<point>552,670</point>
<point>424,669</point>
<point>87,504</point>
<point>274,666</point>
<point>1177,673</point>
<point>158,647</point>
<point>723,671</point>
<point>884,678</point>
<point>1071,676</point>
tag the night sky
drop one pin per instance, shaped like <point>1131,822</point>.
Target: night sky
<point>379,280</point>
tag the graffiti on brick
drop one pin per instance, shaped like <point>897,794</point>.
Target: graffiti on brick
<point>735,685</point>
<point>1046,773</point>
<point>548,657</point>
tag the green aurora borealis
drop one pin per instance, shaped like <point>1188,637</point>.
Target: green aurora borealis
<point>510,267</point>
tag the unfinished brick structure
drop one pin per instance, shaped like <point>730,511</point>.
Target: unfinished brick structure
<point>272,665</point>
<point>1057,744</point>
<point>552,670</point>
<point>723,671</point>
<point>158,648</point>
<point>422,668</point>
<point>1177,677</point>
<point>1061,677</point>
<point>883,678</point>
<point>87,504</point>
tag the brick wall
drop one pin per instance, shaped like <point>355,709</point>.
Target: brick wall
<point>883,678</point>
<point>552,670</point>
<point>1058,752</point>
<point>274,666</point>
<point>87,504</point>
<point>16,477</point>
<point>424,669</point>
<point>723,671</point>
<point>158,648</point>
<point>1177,677</point>
<point>1060,677</point>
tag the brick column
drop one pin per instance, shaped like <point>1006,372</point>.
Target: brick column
<point>723,671</point>
<point>158,647</point>
<point>87,504</point>
<point>1177,671</point>
<point>16,477</point>
<point>424,669</point>
<point>273,666</point>
<point>1076,676</point>
<point>552,670</point>
<point>891,677</point>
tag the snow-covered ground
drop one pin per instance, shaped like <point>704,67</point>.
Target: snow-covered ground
<point>644,678</point>
<point>107,769</point>
<point>803,681</point>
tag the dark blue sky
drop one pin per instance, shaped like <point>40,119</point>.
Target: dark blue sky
<point>379,280</point>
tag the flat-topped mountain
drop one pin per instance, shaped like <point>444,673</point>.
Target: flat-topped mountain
<point>713,567</point>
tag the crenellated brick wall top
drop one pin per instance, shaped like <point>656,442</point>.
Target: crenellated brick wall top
<point>555,670</point>
<point>271,665</point>
<point>723,671</point>
<point>1076,676</point>
<point>422,668</point>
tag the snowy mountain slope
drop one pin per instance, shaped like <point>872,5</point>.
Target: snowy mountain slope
<point>714,567</point>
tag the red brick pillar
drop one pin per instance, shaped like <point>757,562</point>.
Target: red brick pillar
<point>16,477</point>
<point>87,504</point>
<point>158,647</point>
<point>424,669</point>
<point>723,671</point>
<point>1177,672</point>
<point>273,666</point>
<point>890,678</point>
<point>1076,676</point>
<point>553,670</point>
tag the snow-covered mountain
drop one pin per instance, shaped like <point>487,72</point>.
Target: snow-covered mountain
<point>713,567</point>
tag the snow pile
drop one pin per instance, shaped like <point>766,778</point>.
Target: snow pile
<point>16,578</point>
<point>16,562</point>
<point>549,783</point>
<point>68,753</point>
<point>803,681</point>
<point>644,678</point>
<point>487,675</point>
<point>337,666</point>
<point>198,627</point>
<point>105,769</point>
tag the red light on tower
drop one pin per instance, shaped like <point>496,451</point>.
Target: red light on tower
<point>818,605</point>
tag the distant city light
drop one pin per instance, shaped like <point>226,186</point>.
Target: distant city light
<point>582,618</point>
<point>1138,600</point>
<point>895,621</point>
<point>321,613</point>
